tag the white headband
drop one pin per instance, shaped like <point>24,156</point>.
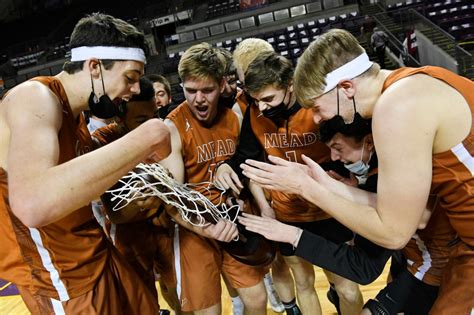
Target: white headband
<point>348,71</point>
<point>107,52</point>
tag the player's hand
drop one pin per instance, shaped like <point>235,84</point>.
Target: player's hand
<point>223,230</point>
<point>282,175</point>
<point>226,178</point>
<point>148,203</point>
<point>268,212</point>
<point>270,228</point>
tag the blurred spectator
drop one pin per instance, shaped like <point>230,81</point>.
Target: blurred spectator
<point>378,41</point>
<point>367,29</point>
<point>163,98</point>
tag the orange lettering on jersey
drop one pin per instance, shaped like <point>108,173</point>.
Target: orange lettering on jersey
<point>295,141</point>
<point>211,150</point>
<point>280,140</point>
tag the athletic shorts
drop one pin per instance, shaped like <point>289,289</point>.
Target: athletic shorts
<point>148,249</point>
<point>456,295</point>
<point>408,295</point>
<point>199,273</point>
<point>330,229</point>
<point>119,290</point>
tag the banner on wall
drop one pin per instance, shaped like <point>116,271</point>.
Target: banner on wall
<point>252,4</point>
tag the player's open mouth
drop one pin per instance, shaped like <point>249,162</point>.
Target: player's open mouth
<point>202,110</point>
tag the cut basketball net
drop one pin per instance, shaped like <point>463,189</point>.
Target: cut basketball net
<point>152,180</point>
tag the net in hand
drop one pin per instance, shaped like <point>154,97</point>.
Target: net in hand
<point>153,180</point>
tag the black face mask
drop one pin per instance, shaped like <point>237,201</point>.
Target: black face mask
<point>358,125</point>
<point>276,112</point>
<point>102,107</point>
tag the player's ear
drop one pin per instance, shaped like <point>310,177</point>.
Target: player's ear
<point>369,142</point>
<point>94,67</point>
<point>222,85</point>
<point>347,87</point>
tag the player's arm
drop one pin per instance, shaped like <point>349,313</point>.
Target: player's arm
<point>403,136</point>
<point>136,210</point>
<point>40,190</point>
<point>265,208</point>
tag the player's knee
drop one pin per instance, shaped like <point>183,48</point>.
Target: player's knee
<point>255,302</point>
<point>304,284</point>
<point>254,298</point>
<point>375,307</point>
<point>348,292</point>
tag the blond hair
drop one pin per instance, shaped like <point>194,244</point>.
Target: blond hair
<point>202,61</point>
<point>248,50</point>
<point>328,52</point>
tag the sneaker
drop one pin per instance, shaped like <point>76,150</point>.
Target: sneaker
<point>273,298</point>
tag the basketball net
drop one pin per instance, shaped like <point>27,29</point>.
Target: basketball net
<point>153,180</point>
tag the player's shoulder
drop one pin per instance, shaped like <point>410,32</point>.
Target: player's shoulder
<point>30,92</point>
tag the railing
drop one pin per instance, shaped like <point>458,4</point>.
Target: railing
<point>410,19</point>
<point>396,46</point>
<point>444,40</point>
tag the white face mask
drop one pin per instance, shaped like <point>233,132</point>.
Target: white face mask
<point>359,168</point>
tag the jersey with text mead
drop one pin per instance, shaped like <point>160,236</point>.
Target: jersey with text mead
<point>299,135</point>
<point>203,147</point>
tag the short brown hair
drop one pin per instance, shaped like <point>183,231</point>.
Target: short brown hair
<point>267,69</point>
<point>202,61</point>
<point>325,54</point>
<point>100,29</point>
<point>161,79</point>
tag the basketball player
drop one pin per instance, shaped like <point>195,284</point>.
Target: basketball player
<point>245,52</point>
<point>141,232</point>
<point>414,287</point>
<point>204,134</point>
<point>424,147</point>
<point>277,125</point>
<point>53,249</point>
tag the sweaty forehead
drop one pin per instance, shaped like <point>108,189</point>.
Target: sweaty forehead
<point>200,83</point>
<point>132,67</point>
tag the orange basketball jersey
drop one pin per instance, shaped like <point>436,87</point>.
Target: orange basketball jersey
<point>61,260</point>
<point>428,250</point>
<point>453,182</point>
<point>107,134</point>
<point>453,170</point>
<point>204,147</point>
<point>299,135</point>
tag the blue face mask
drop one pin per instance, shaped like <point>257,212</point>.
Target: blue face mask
<point>359,168</point>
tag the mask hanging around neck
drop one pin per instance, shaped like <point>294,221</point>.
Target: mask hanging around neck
<point>102,107</point>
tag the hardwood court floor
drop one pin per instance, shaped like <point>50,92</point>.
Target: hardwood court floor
<point>13,305</point>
